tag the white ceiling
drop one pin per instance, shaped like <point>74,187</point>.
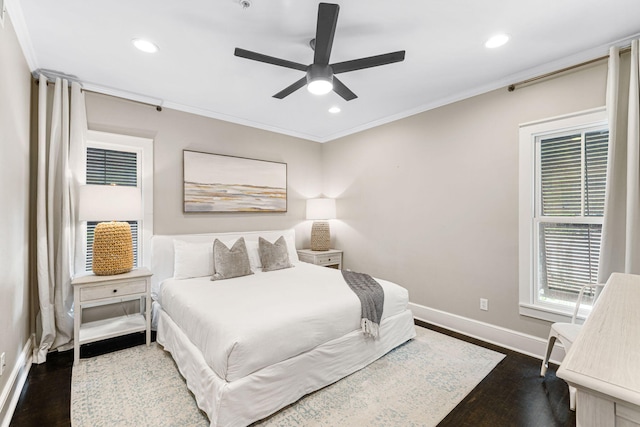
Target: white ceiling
<point>195,69</point>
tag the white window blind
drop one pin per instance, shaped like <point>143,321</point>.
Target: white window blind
<point>106,167</point>
<point>572,178</point>
<point>112,167</point>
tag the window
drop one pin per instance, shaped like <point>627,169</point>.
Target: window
<point>122,160</point>
<point>563,164</point>
<point>106,167</point>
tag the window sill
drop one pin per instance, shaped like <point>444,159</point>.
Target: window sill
<point>550,314</point>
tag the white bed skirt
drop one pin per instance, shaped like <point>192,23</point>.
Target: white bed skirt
<point>260,394</point>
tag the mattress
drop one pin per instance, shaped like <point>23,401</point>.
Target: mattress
<point>244,324</point>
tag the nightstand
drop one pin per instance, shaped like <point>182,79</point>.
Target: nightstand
<point>331,258</point>
<point>91,290</point>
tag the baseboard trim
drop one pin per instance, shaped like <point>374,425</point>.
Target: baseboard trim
<point>503,337</point>
<point>13,388</point>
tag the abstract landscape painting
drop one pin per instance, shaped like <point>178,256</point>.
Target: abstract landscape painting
<point>218,183</point>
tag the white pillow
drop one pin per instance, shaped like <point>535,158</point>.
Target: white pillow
<point>291,246</point>
<point>254,254</point>
<point>192,259</point>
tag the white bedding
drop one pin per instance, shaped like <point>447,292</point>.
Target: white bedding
<point>253,376</point>
<point>238,335</point>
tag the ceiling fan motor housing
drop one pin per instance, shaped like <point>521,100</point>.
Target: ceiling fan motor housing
<point>319,72</point>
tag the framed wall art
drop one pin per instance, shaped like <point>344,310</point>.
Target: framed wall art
<point>219,183</point>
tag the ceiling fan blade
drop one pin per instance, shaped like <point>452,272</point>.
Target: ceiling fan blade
<point>292,88</point>
<point>325,30</point>
<point>242,53</point>
<point>342,90</point>
<point>368,62</point>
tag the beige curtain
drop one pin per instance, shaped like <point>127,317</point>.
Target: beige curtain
<point>60,152</point>
<point>620,250</point>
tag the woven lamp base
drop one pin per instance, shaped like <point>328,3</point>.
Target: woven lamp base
<point>112,248</point>
<point>320,236</point>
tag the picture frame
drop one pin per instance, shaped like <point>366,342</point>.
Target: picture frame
<point>217,183</point>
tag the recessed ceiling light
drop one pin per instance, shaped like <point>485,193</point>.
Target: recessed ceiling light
<point>497,41</point>
<point>334,110</point>
<point>145,45</point>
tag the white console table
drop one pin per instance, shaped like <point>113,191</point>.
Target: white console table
<point>603,364</point>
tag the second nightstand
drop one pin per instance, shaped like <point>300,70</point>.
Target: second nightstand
<point>331,258</point>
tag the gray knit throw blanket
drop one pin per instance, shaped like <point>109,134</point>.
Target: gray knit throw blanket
<point>371,298</point>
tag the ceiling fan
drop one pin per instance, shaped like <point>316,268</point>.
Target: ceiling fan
<point>320,76</point>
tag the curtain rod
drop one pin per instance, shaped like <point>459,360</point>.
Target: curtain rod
<point>157,107</point>
<point>513,86</point>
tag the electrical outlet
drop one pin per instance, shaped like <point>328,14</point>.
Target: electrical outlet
<point>3,363</point>
<point>484,304</point>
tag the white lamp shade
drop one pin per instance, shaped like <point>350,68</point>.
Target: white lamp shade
<point>109,203</point>
<point>321,208</point>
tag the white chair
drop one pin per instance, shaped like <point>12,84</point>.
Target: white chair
<point>567,334</point>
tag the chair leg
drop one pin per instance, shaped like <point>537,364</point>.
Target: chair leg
<point>572,398</point>
<point>545,361</point>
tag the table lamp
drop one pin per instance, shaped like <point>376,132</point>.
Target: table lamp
<point>112,242</point>
<point>321,210</point>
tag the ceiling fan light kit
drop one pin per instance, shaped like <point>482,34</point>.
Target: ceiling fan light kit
<point>320,87</point>
<point>319,79</point>
<point>320,75</point>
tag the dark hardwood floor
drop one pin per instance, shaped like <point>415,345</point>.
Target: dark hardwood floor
<point>45,400</point>
<point>513,394</point>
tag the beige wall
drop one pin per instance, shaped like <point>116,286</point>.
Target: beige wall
<point>15,92</point>
<point>431,201</point>
<point>174,131</point>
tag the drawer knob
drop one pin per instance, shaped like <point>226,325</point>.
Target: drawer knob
<point>115,290</point>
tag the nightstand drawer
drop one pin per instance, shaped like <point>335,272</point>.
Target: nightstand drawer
<point>328,259</point>
<point>331,258</point>
<point>112,290</point>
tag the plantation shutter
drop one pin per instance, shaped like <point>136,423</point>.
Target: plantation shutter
<point>572,184</point>
<point>106,167</point>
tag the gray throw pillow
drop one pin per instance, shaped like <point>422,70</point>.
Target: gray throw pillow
<point>273,256</point>
<point>229,263</point>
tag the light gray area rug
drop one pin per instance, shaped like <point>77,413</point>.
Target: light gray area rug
<point>417,384</point>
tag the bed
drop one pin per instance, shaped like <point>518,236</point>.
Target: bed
<point>251,345</point>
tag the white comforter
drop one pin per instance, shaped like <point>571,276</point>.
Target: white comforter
<point>244,324</point>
